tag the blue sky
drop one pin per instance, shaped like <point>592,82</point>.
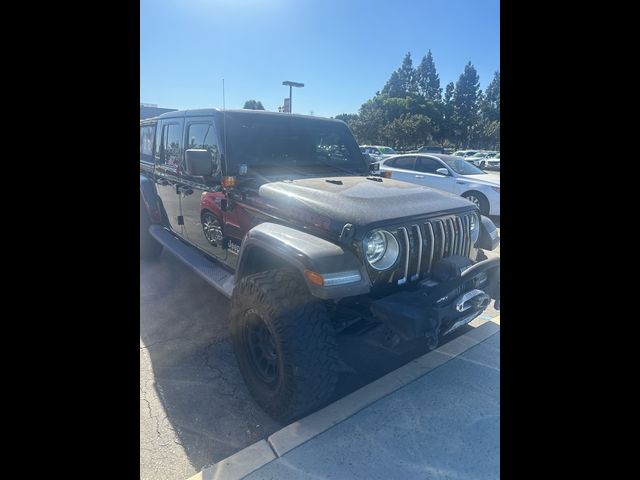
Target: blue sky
<point>342,50</point>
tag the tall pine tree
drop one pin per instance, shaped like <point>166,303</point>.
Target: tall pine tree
<point>491,101</point>
<point>428,80</point>
<point>465,101</point>
<point>402,82</point>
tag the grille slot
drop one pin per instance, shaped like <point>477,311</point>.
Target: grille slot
<point>426,242</point>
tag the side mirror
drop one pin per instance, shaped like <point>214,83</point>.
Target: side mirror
<point>199,162</point>
<point>443,171</point>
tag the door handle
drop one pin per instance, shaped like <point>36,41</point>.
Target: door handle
<point>419,176</point>
<point>461,183</point>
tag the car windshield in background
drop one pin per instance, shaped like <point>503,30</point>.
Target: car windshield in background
<point>462,167</point>
<point>387,150</point>
<point>270,141</point>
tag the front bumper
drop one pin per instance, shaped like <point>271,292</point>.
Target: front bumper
<point>437,306</point>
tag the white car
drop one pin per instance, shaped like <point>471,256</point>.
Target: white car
<point>449,173</point>
<point>479,159</point>
<point>493,162</point>
<point>465,153</point>
<point>378,152</point>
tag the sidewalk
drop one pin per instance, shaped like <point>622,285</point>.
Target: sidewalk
<point>437,417</point>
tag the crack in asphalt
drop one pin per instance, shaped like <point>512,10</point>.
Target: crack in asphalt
<point>167,341</point>
<point>221,375</point>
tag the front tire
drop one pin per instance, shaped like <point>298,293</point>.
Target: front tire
<point>284,343</point>
<point>480,200</point>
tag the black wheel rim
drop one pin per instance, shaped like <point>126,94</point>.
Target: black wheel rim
<point>260,348</point>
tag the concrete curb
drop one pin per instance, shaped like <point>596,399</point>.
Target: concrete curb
<point>286,439</point>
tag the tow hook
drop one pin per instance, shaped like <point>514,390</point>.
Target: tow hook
<point>472,299</point>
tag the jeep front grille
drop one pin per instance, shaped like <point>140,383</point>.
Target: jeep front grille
<point>424,243</point>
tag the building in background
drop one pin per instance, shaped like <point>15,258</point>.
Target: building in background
<point>148,110</point>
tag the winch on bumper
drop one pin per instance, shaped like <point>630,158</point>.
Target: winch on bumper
<point>457,292</point>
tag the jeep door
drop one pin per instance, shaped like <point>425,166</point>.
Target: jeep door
<point>201,197</point>
<point>168,159</point>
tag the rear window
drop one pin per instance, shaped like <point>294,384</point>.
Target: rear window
<point>146,143</point>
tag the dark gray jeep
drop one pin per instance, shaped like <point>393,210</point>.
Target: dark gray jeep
<point>280,213</point>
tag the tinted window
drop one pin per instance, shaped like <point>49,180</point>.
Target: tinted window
<point>403,162</point>
<point>171,145</point>
<point>146,143</point>
<point>202,136</point>
<point>428,165</point>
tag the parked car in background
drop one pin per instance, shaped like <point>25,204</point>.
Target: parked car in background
<point>431,149</point>
<point>464,153</point>
<point>479,159</point>
<point>493,163</point>
<point>449,173</point>
<point>377,152</point>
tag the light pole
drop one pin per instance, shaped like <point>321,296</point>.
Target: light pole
<point>292,84</point>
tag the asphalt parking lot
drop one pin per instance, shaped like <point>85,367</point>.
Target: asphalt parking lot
<point>194,407</point>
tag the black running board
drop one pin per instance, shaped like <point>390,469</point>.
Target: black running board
<point>209,270</point>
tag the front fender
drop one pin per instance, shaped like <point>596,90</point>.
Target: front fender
<point>489,239</point>
<point>307,253</point>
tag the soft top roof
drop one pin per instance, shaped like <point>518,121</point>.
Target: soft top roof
<point>208,112</point>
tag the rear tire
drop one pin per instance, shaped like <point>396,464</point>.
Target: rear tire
<point>284,343</point>
<point>149,248</point>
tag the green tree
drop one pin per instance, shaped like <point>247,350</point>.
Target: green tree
<point>448,131</point>
<point>428,80</point>
<point>253,105</point>
<point>490,105</point>
<point>393,87</point>
<point>403,81</point>
<point>465,102</point>
<point>407,130</point>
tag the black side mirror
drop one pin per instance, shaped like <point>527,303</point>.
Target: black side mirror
<point>199,162</point>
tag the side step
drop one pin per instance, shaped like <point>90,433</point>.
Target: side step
<point>212,273</point>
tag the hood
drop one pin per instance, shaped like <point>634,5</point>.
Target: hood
<point>484,179</point>
<point>357,200</point>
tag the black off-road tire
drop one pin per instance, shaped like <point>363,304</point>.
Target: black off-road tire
<point>149,248</point>
<point>303,340</point>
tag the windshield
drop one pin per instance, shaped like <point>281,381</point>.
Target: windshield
<point>462,167</point>
<point>290,143</point>
<point>387,150</point>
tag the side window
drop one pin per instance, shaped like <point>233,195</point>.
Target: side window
<point>146,143</point>
<point>427,165</point>
<point>170,155</point>
<point>404,162</point>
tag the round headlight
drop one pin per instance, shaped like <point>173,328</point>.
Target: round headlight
<point>381,249</point>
